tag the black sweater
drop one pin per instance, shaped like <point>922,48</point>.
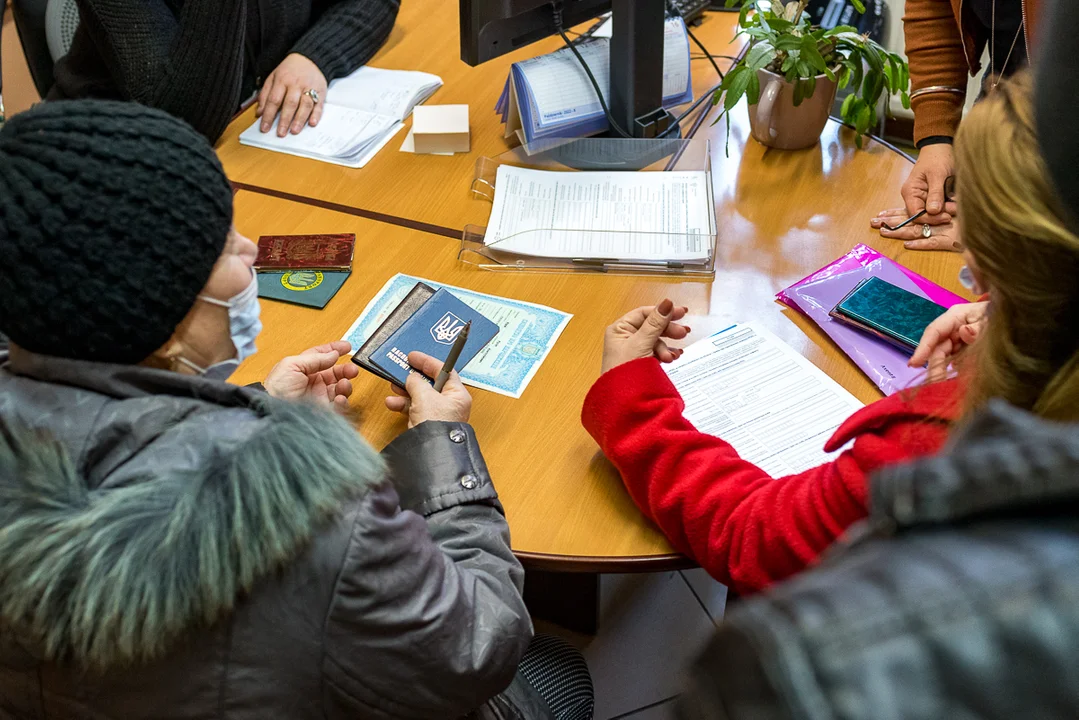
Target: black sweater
<point>199,59</point>
<point>1057,101</point>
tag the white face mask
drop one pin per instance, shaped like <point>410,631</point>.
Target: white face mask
<point>244,327</point>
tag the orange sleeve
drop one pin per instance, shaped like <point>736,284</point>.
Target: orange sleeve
<point>937,58</point>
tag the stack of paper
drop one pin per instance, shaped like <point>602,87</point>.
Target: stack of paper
<point>649,216</point>
<point>362,112</point>
<point>551,96</point>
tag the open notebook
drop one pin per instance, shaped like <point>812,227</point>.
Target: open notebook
<point>551,96</point>
<point>362,112</point>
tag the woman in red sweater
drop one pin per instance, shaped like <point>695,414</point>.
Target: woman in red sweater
<point>748,529</point>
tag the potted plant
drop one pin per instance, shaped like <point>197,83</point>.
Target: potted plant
<point>793,69</point>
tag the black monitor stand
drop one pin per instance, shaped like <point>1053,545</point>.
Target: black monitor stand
<point>637,67</point>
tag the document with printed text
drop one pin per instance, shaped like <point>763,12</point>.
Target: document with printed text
<point>749,388</point>
<point>527,333</point>
<point>656,216</point>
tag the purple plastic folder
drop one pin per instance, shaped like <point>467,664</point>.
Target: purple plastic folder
<point>816,295</point>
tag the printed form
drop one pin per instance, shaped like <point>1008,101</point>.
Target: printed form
<point>749,388</point>
<point>658,216</point>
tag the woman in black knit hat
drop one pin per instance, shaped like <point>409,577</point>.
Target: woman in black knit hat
<point>200,59</point>
<point>175,546</point>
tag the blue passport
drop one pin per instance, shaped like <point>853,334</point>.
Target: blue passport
<point>432,330</point>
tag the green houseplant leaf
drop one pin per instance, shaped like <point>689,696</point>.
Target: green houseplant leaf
<point>784,41</point>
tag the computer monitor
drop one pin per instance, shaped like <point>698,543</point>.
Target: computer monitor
<point>491,28</point>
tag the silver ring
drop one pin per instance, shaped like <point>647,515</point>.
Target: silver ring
<point>313,94</point>
<point>927,231</point>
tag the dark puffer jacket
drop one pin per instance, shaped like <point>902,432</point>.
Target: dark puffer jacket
<point>959,598</point>
<point>175,547</point>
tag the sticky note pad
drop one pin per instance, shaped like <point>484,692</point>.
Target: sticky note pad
<point>440,128</point>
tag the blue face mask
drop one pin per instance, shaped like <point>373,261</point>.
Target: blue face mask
<point>244,327</point>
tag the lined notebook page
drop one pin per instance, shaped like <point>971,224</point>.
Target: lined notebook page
<point>751,389</point>
<point>561,89</point>
<point>601,215</point>
<point>383,92</point>
<point>340,132</point>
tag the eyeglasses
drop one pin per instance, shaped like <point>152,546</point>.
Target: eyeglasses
<point>949,195</point>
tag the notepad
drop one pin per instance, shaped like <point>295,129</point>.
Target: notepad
<point>362,113</point>
<point>551,95</point>
<point>748,387</point>
<point>649,216</point>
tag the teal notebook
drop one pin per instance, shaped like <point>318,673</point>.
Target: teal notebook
<point>313,288</point>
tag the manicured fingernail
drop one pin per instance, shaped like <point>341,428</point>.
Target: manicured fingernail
<point>934,207</point>
<point>908,245</point>
<point>875,222</point>
<point>665,307</point>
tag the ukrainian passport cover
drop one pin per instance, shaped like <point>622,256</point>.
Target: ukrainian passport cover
<point>305,252</point>
<point>432,330</point>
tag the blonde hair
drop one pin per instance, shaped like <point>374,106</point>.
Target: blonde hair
<point>1017,232</point>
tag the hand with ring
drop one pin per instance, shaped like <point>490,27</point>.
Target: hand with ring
<point>919,236</point>
<point>297,90</point>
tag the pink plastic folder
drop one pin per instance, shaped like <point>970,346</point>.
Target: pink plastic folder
<point>815,295</point>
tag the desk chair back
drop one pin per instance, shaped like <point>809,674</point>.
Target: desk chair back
<point>46,28</point>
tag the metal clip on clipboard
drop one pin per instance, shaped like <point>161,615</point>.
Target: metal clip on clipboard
<point>590,154</point>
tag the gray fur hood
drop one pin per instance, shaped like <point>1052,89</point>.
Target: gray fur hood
<point>173,547</point>
<point>112,572</point>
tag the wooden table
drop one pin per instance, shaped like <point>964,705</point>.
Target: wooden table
<point>427,191</point>
<point>783,215</point>
<point>780,214</point>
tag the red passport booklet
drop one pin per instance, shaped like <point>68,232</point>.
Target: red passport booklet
<point>305,252</point>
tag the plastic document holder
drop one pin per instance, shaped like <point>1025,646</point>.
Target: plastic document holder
<point>694,253</point>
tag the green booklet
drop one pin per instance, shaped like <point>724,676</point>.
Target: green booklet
<point>313,288</point>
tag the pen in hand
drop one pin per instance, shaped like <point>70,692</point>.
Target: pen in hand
<point>451,359</point>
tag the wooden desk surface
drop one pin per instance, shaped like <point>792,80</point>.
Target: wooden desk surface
<point>783,215</point>
<point>780,215</point>
<point>428,189</point>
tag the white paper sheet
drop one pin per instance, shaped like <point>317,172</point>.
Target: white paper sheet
<point>383,92</point>
<point>749,388</point>
<point>652,216</point>
<point>526,333</point>
<point>605,28</point>
<point>344,136</point>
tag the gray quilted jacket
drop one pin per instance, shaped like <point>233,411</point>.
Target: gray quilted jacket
<point>959,598</point>
<point>172,547</point>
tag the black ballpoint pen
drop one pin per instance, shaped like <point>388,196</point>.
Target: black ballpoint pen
<point>451,359</point>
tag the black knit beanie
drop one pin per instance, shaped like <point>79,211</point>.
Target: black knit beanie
<point>112,216</point>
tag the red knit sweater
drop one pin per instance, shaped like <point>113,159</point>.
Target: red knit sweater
<point>744,527</point>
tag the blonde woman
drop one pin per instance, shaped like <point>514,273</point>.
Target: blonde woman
<point>749,529</point>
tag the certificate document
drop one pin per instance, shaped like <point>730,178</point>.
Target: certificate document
<point>526,333</point>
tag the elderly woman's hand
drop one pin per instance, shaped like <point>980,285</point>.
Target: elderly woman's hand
<point>419,401</point>
<point>315,374</point>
